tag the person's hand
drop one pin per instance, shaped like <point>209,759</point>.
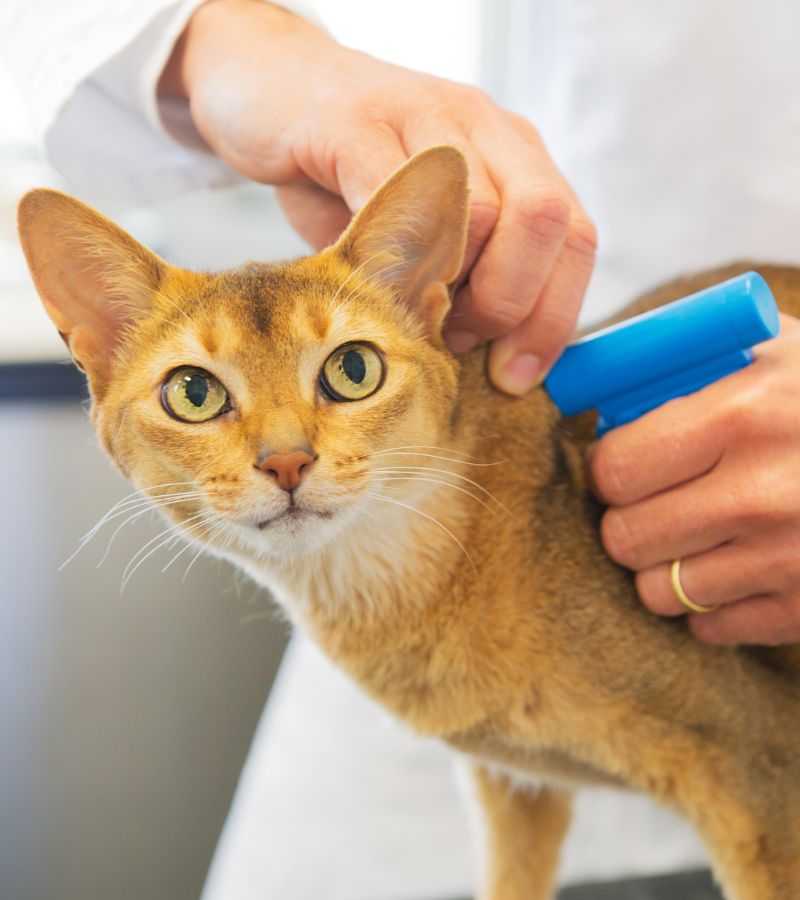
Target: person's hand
<point>284,104</point>
<point>713,479</point>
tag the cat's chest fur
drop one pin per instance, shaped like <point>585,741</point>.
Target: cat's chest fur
<point>451,618</point>
<point>383,617</point>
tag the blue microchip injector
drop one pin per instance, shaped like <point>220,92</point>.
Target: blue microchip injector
<point>630,368</point>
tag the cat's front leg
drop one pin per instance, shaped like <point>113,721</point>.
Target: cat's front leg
<point>524,826</point>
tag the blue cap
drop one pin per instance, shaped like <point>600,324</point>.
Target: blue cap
<point>640,363</point>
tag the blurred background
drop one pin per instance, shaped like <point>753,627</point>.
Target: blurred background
<point>127,716</point>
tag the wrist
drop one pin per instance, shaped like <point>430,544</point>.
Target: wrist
<point>220,30</point>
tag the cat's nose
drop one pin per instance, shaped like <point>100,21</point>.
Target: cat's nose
<point>287,468</point>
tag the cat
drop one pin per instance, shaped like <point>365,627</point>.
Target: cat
<point>436,538</point>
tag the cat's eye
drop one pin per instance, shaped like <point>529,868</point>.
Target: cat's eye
<point>352,372</point>
<point>194,395</point>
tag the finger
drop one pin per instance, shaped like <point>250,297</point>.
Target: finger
<point>523,248</point>
<point>318,216</point>
<point>718,577</point>
<point>528,132</point>
<point>689,519</point>
<point>363,160</point>
<point>692,435</point>
<point>538,340</point>
<point>770,620</point>
<point>484,209</point>
<point>623,468</point>
<point>535,267</point>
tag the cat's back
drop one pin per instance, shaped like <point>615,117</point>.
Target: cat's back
<point>538,470</point>
<point>784,282</point>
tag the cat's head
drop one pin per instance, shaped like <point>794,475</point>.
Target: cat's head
<point>260,403</point>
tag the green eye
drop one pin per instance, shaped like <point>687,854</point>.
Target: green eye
<point>193,395</point>
<point>352,372</point>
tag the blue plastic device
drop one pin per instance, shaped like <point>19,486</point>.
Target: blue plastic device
<point>628,369</point>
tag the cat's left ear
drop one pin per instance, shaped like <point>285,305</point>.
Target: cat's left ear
<point>411,234</point>
<point>94,279</point>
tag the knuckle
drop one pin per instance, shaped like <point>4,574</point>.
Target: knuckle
<point>747,412</point>
<point>545,213</point>
<point>472,103</point>
<point>772,501</point>
<point>501,317</point>
<point>472,96</point>
<point>524,125</point>
<point>762,500</point>
<point>582,236</point>
<point>743,506</point>
<point>554,324</point>
<point>618,539</point>
<point>483,219</point>
<point>498,312</point>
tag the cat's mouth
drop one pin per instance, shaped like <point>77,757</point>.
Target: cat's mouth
<point>294,513</point>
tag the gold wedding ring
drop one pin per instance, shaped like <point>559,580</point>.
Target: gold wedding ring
<point>680,593</point>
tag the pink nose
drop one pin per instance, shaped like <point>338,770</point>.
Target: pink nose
<point>288,469</point>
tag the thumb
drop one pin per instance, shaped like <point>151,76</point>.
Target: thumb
<point>364,161</point>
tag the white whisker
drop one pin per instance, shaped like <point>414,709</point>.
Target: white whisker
<point>216,530</point>
<point>150,487</point>
<point>187,544</point>
<point>462,462</point>
<point>132,508</point>
<point>134,497</point>
<point>192,561</point>
<point>435,521</point>
<point>432,469</point>
<point>455,487</point>
<point>149,507</point>
<point>427,447</point>
<point>159,541</point>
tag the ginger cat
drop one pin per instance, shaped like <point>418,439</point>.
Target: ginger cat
<point>436,538</point>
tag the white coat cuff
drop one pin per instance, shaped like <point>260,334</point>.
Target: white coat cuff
<point>171,114</point>
<point>113,137</point>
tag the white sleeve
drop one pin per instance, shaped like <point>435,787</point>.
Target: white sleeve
<point>89,73</point>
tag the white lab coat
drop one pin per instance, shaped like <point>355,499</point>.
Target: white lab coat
<point>679,126</point>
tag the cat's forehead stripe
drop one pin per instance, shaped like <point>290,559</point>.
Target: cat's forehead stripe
<point>264,290</point>
<point>208,337</point>
<point>310,321</point>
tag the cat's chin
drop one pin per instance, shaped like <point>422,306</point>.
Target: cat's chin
<point>296,531</point>
<point>293,518</point>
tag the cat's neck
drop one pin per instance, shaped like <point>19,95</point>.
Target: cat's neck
<point>387,601</point>
<point>398,598</point>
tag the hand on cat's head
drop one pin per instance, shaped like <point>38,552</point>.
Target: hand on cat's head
<point>282,103</point>
<point>268,390</point>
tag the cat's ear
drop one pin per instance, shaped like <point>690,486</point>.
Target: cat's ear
<point>411,234</point>
<point>94,278</point>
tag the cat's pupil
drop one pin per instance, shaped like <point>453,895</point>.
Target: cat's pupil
<point>196,390</point>
<point>353,366</point>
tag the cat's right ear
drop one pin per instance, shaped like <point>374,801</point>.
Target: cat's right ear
<point>94,278</point>
<point>411,235</point>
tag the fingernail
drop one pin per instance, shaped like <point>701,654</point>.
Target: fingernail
<point>521,373</point>
<point>461,341</point>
